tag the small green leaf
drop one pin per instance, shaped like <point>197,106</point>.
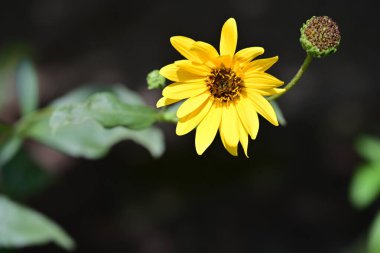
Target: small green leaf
<point>9,148</point>
<point>374,236</point>
<point>365,185</point>
<point>278,111</point>
<point>108,110</point>
<point>369,148</point>
<point>27,86</point>
<point>21,226</point>
<point>91,140</point>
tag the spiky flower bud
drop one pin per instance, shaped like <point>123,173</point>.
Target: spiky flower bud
<point>320,36</point>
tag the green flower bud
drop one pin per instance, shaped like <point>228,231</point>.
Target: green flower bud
<point>155,80</point>
<point>320,36</point>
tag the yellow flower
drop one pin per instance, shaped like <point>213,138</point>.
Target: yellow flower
<point>224,91</point>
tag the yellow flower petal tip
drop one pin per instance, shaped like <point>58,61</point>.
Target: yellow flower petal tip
<point>228,38</point>
<point>223,91</point>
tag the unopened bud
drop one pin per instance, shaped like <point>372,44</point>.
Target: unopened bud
<point>155,80</point>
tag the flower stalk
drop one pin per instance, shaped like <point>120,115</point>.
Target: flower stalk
<point>296,77</point>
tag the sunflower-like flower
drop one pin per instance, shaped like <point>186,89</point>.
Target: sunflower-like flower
<point>224,91</point>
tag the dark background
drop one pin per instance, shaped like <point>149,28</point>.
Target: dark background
<point>291,195</point>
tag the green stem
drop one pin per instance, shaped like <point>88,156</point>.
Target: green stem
<point>296,77</point>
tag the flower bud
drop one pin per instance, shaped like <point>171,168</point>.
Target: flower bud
<point>155,80</point>
<point>320,36</point>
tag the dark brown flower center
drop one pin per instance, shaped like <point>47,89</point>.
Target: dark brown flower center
<point>224,84</point>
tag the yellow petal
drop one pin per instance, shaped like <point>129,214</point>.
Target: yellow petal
<point>192,104</point>
<point>267,92</point>
<point>183,45</point>
<point>170,72</point>
<point>246,55</point>
<point>228,38</point>
<point>243,137</point>
<point>263,107</point>
<point>174,73</point>
<point>206,52</point>
<point>183,90</point>
<point>261,65</point>
<point>260,80</point>
<point>208,128</point>
<point>248,116</point>
<point>166,101</point>
<point>200,70</point>
<point>189,122</point>
<point>229,131</point>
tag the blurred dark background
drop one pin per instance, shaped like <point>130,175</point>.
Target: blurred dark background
<point>291,195</point>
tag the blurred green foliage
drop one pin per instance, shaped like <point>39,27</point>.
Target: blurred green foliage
<point>106,109</point>
<point>27,86</point>
<point>10,56</point>
<point>365,185</point>
<point>20,226</point>
<point>86,122</point>
<point>88,126</point>
<point>374,236</point>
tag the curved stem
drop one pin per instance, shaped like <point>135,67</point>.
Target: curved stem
<point>296,77</point>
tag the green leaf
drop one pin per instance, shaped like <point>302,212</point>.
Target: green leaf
<point>9,148</point>
<point>369,148</point>
<point>365,185</point>
<point>79,134</point>
<point>278,111</point>
<point>27,86</point>
<point>21,226</point>
<point>91,140</point>
<point>108,110</point>
<point>374,236</point>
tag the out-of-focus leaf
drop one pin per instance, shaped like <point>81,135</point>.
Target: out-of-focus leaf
<point>278,111</point>
<point>22,177</point>
<point>4,128</point>
<point>374,236</point>
<point>88,138</point>
<point>9,148</point>
<point>91,140</point>
<point>21,226</point>
<point>365,185</point>
<point>9,57</point>
<point>82,93</point>
<point>27,86</point>
<point>108,110</point>
<point>369,148</point>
